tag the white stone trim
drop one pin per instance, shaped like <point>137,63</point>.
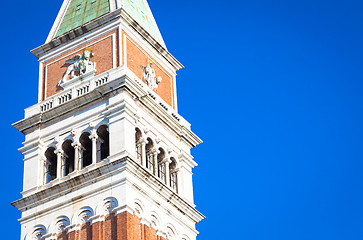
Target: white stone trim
<point>41,82</point>
<point>120,47</point>
<point>175,99</point>
<point>125,49</point>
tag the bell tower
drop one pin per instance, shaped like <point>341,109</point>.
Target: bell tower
<point>106,154</point>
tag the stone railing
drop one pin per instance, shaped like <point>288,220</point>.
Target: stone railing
<point>74,92</point>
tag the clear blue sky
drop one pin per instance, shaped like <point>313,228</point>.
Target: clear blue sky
<point>274,88</point>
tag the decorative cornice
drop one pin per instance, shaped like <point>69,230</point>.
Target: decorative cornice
<point>102,172</point>
<point>69,185</point>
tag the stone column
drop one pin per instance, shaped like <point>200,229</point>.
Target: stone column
<point>156,168</point>
<point>43,170</point>
<point>77,156</point>
<point>81,157</point>
<point>143,153</point>
<point>94,139</point>
<point>60,158</point>
<point>167,172</point>
<point>178,180</point>
<point>138,157</point>
<point>99,142</point>
<point>64,165</point>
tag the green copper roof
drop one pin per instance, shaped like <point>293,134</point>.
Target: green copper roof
<point>80,12</point>
<point>140,12</point>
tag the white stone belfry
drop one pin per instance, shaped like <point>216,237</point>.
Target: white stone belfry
<point>106,151</point>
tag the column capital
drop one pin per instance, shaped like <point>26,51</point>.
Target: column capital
<point>59,151</point>
<point>143,141</point>
<point>93,137</point>
<point>74,132</point>
<point>57,139</point>
<point>155,151</point>
<point>76,145</point>
<point>166,160</point>
<point>175,170</point>
<point>92,125</point>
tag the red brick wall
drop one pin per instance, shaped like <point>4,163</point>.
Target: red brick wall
<point>124,226</point>
<point>137,58</point>
<point>55,68</point>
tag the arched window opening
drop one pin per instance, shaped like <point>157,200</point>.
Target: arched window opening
<point>104,140</point>
<point>138,136</point>
<point>50,165</point>
<point>68,157</point>
<point>173,175</point>
<point>86,149</point>
<point>161,165</point>
<point>150,155</point>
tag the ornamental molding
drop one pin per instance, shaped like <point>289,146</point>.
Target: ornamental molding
<point>85,215</point>
<point>171,232</point>
<point>138,209</point>
<point>155,221</point>
<point>109,205</point>
<point>62,224</point>
<point>38,233</point>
